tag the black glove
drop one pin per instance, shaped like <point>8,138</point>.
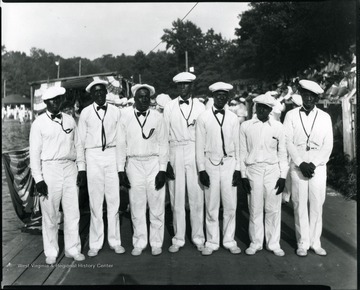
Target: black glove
<point>204,178</point>
<point>160,180</point>
<point>81,179</point>
<point>170,172</point>
<point>280,184</point>
<point>124,181</point>
<point>42,188</point>
<point>306,169</point>
<point>312,166</point>
<point>236,181</point>
<point>246,185</point>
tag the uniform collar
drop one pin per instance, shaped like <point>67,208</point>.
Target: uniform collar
<point>313,111</point>
<point>269,121</point>
<point>181,99</point>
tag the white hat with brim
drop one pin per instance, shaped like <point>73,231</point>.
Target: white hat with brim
<point>123,101</point>
<point>184,77</point>
<point>137,87</point>
<point>220,86</point>
<point>95,82</point>
<point>53,92</point>
<point>296,99</point>
<point>265,99</point>
<point>311,86</point>
<point>162,100</point>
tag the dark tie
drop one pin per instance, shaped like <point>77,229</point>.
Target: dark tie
<point>219,111</point>
<point>101,107</point>
<point>306,112</point>
<point>186,102</point>
<point>141,113</point>
<point>53,116</point>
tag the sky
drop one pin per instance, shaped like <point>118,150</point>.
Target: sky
<point>90,30</point>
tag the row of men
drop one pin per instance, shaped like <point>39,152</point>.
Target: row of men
<point>204,153</point>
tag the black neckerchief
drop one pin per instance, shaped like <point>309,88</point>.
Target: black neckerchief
<point>142,126</point>
<point>182,113</point>
<point>67,131</point>
<point>307,135</point>
<point>103,135</point>
<point>221,130</point>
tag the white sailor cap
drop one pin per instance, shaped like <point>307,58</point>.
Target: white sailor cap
<point>265,99</point>
<point>95,82</point>
<point>242,100</point>
<point>296,99</point>
<point>123,101</point>
<point>136,87</point>
<point>311,86</point>
<point>233,102</point>
<point>220,86</point>
<point>162,100</point>
<point>184,77</point>
<point>53,92</point>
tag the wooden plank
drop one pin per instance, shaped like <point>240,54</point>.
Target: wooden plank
<point>15,246</point>
<point>22,261</point>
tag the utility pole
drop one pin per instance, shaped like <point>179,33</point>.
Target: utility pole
<point>4,88</point>
<point>139,78</point>
<point>80,67</point>
<point>58,70</point>
<point>186,61</point>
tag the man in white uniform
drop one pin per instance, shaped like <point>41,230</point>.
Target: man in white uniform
<point>180,117</point>
<point>309,138</point>
<point>55,151</point>
<point>217,157</point>
<point>97,127</point>
<point>264,167</point>
<point>145,143</point>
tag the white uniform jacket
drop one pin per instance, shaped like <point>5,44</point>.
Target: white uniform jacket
<point>263,143</point>
<point>49,142</point>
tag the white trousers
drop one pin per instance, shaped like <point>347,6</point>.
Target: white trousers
<point>141,173</point>
<point>103,181</point>
<point>220,187</point>
<point>182,159</point>
<point>263,178</point>
<point>60,177</point>
<point>308,218</point>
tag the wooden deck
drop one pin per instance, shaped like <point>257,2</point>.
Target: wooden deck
<point>24,260</point>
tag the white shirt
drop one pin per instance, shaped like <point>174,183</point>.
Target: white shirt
<point>90,126</point>
<point>132,143</point>
<point>175,121</point>
<point>263,143</point>
<point>208,137</point>
<point>321,136</point>
<point>49,142</point>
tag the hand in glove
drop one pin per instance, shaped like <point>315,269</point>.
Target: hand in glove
<point>306,169</point>
<point>236,181</point>
<point>81,179</point>
<point>160,180</point>
<point>204,178</point>
<point>170,172</point>
<point>42,188</point>
<point>280,185</point>
<point>124,181</point>
<point>246,185</point>
<point>312,166</point>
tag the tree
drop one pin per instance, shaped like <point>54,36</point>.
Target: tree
<point>279,38</point>
<point>184,36</point>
